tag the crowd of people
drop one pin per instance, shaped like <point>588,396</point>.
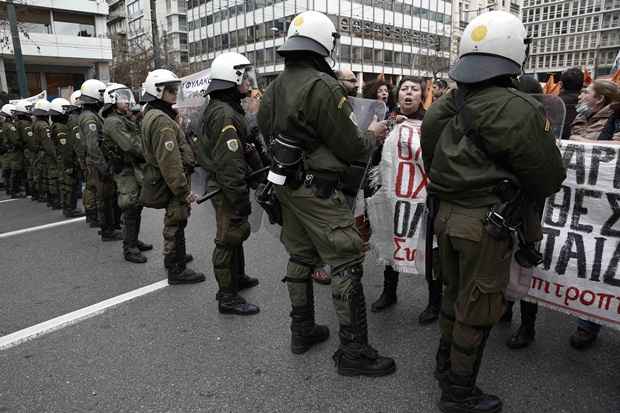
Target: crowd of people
<point>129,156</point>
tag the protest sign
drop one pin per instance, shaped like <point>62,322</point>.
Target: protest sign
<point>396,210</point>
<point>581,243</point>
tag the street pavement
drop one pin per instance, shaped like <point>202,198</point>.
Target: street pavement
<point>171,351</point>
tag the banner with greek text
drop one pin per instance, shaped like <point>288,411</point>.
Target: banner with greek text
<point>396,209</point>
<point>581,243</point>
<point>31,99</point>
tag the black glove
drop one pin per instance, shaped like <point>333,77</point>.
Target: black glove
<point>242,212</point>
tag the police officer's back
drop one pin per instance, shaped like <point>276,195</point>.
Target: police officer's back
<point>489,150</point>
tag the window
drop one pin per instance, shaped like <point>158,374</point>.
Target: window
<point>135,9</point>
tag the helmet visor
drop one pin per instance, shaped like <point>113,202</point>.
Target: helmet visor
<point>124,96</point>
<point>249,75</point>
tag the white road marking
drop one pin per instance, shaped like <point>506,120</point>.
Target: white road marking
<point>74,317</point>
<point>8,200</point>
<point>40,227</point>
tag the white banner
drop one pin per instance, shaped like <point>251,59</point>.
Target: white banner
<point>31,99</point>
<point>396,210</point>
<point>193,90</point>
<point>581,243</point>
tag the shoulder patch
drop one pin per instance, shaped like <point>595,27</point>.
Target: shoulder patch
<point>77,135</point>
<point>13,129</point>
<point>29,133</point>
<point>341,103</point>
<point>169,145</point>
<point>92,127</point>
<point>63,141</point>
<point>228,127</point>
<point>547,125</point>
<point>233,145</point>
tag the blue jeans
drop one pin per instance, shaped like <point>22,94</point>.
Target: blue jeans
<point>589,326</point>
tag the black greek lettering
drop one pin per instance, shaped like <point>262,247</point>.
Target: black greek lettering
<point>579,165</point>
<point>598,258</point>
<point>599,154</point>
<point>419,209</point>
<point>579,209</point>
<point>612,270</point>
<point>551,234</point>
<point>401,218</point>
<point>567,253</point>
<point>607,228</point>
<point>562,207</point>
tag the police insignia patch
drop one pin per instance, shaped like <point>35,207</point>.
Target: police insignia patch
<point>547,125</point>
<point>92,127</point>
<point>13,128</point>
<point>233,145</point>
<point>77,136</point>
<point>169,145</point>
<point>29,133</point>
<point>63,141</point>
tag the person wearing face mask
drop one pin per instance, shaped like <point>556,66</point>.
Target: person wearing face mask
<point>122,148</point>
<point>315,137</point>
<point>223,143</point>
<point>594,110</point>
<point>169,162</point>
<point>410,92</point>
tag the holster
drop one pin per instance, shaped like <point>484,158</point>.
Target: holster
<point>322,186</point>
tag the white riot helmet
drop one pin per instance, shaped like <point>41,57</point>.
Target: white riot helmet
<point>155,83</point>
<point>41,108</point>
<point>92,91</point>
<point>310,31</point>
<point>7,110</point>
<point>493,44</point>
<point>75,98</point>
<point>230,70</point>
<point>118,93</point>
<point>60,106</point>
<point>23,108</point>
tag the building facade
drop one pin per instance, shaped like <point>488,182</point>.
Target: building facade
<point>63,43</point>
<point>130,28</point>
<point>392,38</point>
<point>581,33</point>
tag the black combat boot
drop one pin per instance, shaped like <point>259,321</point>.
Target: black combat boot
<point>108,232</point>
<point>355,356</point>
<point>242,280</point>
<point>388,295</point>
<point>460,395</point>
<point>92,219</point>
<point>229,302</point>
<point>142,246</point>
<point>131,252</point>
<point>177,271</point>
<point>522,338</point>
<point>55,200</point>
<point>431,312</point>
<point>305,333</point>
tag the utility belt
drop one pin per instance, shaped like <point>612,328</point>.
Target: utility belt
<point>324,185</point>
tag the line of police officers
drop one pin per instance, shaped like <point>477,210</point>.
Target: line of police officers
<point>483,134</point>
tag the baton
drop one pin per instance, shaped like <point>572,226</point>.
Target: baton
<point>211,194</point>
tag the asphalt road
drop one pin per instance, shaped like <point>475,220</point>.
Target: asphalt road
<point>171,351</point>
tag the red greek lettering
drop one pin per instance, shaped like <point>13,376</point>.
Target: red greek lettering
<point>537,283</point>
<point>405,189</point>
<point>571,297</point>
<point>558,287</point>
<point>583,300</point>
<point>604,300</point>
<point>405,152</point>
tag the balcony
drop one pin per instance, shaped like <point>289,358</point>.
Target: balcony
<point>116,15</point>
<point>53,48</point>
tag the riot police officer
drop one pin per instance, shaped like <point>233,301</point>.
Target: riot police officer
<point>169,163</point>
<point>64,143</point>
<point>99,176</point>
<point>485,145</point>
<point>315,136</point>
<point>122,148</point>
<point>42,158</point>
<point>224,142</point>
<point>23,124</point>
<point>15,153</point>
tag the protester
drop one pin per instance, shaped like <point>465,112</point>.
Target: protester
<point>482,139</point>
<point>611,131</point>
<point>440,87</point>
<point>594,110</point>
<point>379,89</point>
<point>571,83</point>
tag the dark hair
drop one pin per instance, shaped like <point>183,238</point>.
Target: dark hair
<point>370,88</point>
<point>572,79</point>
<point>412,79</point>
<point>441,83</point>
<point>529,84</point>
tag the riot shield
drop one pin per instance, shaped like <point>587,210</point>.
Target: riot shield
<point>192,100</point>
<point>555,111</point>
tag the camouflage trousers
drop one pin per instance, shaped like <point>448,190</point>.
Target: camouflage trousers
<point>475,270</point>
<point>228,256</point>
